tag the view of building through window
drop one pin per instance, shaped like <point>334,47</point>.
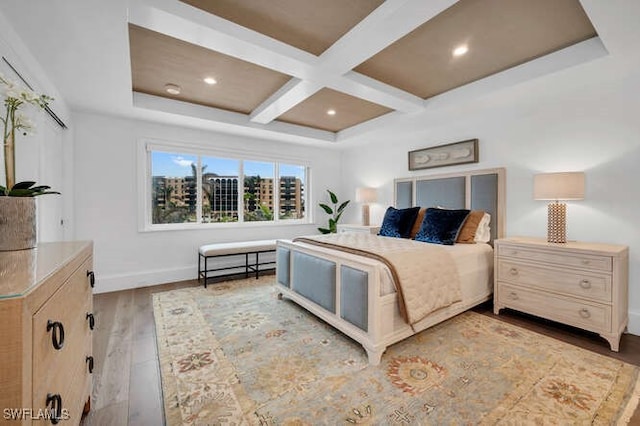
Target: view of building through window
<point>225,194</point>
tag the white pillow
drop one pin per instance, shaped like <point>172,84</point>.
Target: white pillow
<point>483,233</point>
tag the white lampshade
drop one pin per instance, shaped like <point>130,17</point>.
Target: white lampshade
<point>559,186</point>
<point>366,195</point>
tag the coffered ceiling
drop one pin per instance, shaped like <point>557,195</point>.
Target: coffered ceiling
<point>329,67</point>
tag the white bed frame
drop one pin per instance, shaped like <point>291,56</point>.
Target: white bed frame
<point>385,325</point>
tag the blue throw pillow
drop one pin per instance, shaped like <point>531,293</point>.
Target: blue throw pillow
<point>398,222</point>
<point>441,226</point>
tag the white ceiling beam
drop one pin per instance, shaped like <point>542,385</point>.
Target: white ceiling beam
<point>225,121</point>
<point>389,22</point>
<point>283,100</point>
<point>184,22</point>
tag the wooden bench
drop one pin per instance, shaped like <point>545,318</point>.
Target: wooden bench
<point>246,248</point>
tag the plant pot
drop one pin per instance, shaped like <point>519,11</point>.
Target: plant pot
<point>18,223</point>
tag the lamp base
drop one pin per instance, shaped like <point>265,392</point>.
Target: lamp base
<point>365,214</point>
<point>557,223</point>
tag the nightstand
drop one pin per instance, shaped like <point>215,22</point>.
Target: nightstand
<point>367,229</point>
<point>581,284</point>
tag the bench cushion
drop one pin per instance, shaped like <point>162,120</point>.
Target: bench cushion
<point>239,247</point>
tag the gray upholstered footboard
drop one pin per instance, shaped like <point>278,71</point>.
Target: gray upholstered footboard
<point>316,279</point>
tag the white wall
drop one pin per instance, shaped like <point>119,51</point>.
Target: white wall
<point>583,118</point>
<point>106,200</point>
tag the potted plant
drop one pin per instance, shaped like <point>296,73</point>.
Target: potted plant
<point>17,203</point>
<point>335,212</point>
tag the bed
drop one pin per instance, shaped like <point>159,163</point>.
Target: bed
<point>359,295</point>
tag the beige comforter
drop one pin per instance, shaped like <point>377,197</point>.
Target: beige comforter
<point>425,275</point>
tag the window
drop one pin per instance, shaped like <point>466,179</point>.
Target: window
<point>188,188</point>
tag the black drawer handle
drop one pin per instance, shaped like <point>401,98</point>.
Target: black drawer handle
<point>92,320</point>
<point>55,400</point>
<point>57,333</point>
<point>92,278</point>
<point>89,361</point>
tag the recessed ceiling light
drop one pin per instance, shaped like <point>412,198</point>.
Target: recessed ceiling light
<point>210,80</point>
<point>331,112</point>
<point>173,89</point>
<point>460,50</point>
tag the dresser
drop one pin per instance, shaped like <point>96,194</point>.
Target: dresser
<point>46,318</point>
<point>367,229</point>
<point>581,284</point>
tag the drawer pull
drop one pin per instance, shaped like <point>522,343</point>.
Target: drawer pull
<point>55,400</point>
<point>513,271</point>
<point>513,295</point>
<point>585,261</point>
<point>89,361</point>
<point>92,320</point>
<point>514,252</point>
<point>92,278</point>
<point>585,284</point>
<point>584,313</point>
<point>57,333</point>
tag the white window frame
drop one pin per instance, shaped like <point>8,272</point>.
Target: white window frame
<point>146,146</point>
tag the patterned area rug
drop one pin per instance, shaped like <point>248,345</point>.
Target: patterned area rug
<point>235,354</point>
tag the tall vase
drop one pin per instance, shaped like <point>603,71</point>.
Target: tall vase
<point>18,223</point>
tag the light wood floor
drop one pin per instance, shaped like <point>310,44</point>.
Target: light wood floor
<point>126,379</point>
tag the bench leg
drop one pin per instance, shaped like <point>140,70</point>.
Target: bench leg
<point>199,267</point>
<point>257,265</point>
<point>206,268</point>
<point>246,265</point>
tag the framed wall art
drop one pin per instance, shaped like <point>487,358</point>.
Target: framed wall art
<point>444,155</point>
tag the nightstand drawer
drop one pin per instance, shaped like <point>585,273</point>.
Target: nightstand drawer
<point>586,261</point>
<point>591,286</point>
<point>590,316</point>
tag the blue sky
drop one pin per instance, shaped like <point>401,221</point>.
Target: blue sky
<point>174,165</point>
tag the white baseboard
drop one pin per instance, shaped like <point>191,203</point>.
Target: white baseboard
<point>115,282</point>
<point>634,323</point>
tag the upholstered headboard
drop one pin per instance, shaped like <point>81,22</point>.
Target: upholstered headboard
<point>474,190</point>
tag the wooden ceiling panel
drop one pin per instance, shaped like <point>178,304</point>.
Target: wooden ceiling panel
<point>350,111</point>
<point>312,26</point>
<point>157,60</point>
<point>500,34</point>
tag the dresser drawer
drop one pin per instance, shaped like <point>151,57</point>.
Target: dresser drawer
<point>584,261</point>
<point>69,305</point>
<point>592,286</point>
<point>590,316</point>
<point>73,390</point>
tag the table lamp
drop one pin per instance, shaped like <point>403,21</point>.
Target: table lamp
<point>366,196</point>
<point>558,187</point>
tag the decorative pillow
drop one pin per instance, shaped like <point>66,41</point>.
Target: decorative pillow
<point>441,226</point>
<point>398,222</point>
<point>418,223</point>
<point>483,233</point>
<point>469,227</point>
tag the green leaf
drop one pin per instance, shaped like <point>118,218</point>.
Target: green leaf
<point>342,206</point>
<point>338,216</point>
<point>334,198</point>
<point>326,208</point>
<point>23,185</point>
<point>324,230</point>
